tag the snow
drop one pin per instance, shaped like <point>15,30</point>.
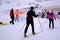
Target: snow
<point>16,32</point>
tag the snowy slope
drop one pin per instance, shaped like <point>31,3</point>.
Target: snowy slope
<point>15,32</point>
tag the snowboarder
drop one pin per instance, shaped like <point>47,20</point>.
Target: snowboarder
<point>51,18</point>
<point>29,20</point>
<point>12,16</point>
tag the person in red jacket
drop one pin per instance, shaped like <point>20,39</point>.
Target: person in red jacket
<point>17,15</point>
<point>12,16</point>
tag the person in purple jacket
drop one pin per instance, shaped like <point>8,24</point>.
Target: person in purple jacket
<point>51,18</point>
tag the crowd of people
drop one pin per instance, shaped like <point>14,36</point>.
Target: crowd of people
<point>29,19</point>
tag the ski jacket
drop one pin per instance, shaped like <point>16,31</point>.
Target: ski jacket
<point>51,16</point>
<point>11,14</point>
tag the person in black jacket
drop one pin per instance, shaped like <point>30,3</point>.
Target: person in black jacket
<point>11,16</point>
<point>29,20</point>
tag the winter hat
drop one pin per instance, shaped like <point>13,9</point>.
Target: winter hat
<point>32,7</point>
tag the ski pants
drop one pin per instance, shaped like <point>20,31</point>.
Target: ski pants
<point>51,21</point>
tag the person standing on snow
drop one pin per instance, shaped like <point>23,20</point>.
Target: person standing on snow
<point>47,14</point>
<point>12,16</point>
<point>17,15</point>
<point>43,14</point>
<point>51,18</point>
<point>29,20</point>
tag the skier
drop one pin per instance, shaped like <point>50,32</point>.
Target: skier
<point>29,20</point>
<point>51,18</point>
<point>43,14</point>
<point>11,16</point>
<point>17,15</point>
<point>47,14</point>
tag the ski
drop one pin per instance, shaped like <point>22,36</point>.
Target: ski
<point>30,35</point>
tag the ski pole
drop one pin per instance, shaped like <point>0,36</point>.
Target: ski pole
<point>22,27</point>
<point>44,22</point>
<point>40,25</point>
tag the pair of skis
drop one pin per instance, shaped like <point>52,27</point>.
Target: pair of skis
<point>31,35</point>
